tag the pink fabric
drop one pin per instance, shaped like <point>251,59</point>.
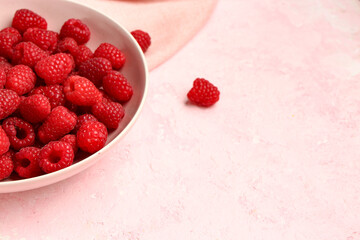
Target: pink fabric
<point>170,23</point>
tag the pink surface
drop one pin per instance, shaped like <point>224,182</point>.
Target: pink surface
<point>276,158</point>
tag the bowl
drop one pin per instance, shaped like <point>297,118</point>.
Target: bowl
<point>103,29</point>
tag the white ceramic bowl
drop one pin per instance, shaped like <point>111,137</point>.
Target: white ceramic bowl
<point>103,29</point>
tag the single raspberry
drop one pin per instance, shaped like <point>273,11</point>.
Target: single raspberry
<point>4,142</point>
<point>75,29</point>
<point>55,68</point>
<point>55,156</point>
<point>5,66</point>
<point>91,136</point>
<point>82,54</point>
<point>111,53</point>
<point>35,108</point>
<point>67,45</point>
<point>25,18</point>
<point>203,93</point>
<point>108,112</point>
<point>59,122</point>
<point>83,119</point>
<point>95,69</point>
<point>45,39</point>
<point>14,32</point>
<point>117,86</point>
<point>81,91</point>
<point>6,165</point>
<point>2,78</point>
<point>8,40</point>
<point>71,139</point>
<point>9,102</point>
<point>27,53</point>
<point>20,79</point>
<point>21,134</point>
<point>142,38</point>
<point>26,162</point>
<point>54,93</point>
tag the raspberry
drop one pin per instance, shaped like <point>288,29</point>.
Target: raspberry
<point>71,139</point>
<point>55,68</point>
<point>53,92</point>
<point>2,78</point>
<point>35,108</point>
<point>111,53</point>
<point>4,141</point>
<point>95,69</point>
<point>203,93</point>
<point>8,39</point>
<point>27,53</point>
<point>46,40</point>
<point>21,134</point>
<point>91,136</point>
<point>81,91</point>
<point>6,165</point>
<point>20,79</point>
<point>142,38</point>
<point>59,122</point>
<point>24,19</point>
<point>75,29</point>
<point>82,54</point>
<point>9,102</point>
<point>55,156</point>
<point>67,45</point>
<point>116,85</point>
<point>108,112</point>
<point>5,66</point>
<point>26,162</point>
<point>83,119</point>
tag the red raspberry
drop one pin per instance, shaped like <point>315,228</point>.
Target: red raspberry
<point>108,112</point>
<point>83,119</point>
<point>27,53</point>
<point>26,162</point>
<point>111,53</point>
<point>9,102</point>
<point>24,19</point>
<point>116,85</point>
<point>55,68</point>
<point>20,79</point>
<point>2,78</point>
<point>8,39</point>
<point>59,122</point>
<point>95,69</point>
<point>6,165</point>
<point>21,134</point>
<point>5,66</point>
<point>203,93</point>
<point>91,136</point>
<point>82,54</point>
<point>53,92</point>
<point>46,40</point>
<point>4,142</point>
<point>142,38</point>
<point>81,91</point>
<point>67,45</point>
<point>75,29</point>
<point>55,156</point>
<point>35,108</point>
<point>71,139</point>
<point>13,31</point>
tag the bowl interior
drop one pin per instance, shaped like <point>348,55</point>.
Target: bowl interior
<point>103,29</point>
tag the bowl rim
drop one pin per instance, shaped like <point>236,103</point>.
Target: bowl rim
<point>19,185</point>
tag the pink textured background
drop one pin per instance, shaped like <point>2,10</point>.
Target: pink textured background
<point>278,157</point>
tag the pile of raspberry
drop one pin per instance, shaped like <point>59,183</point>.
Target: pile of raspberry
<point>58,98</point>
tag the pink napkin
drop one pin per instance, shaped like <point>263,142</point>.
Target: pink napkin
<point>170,23</point>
